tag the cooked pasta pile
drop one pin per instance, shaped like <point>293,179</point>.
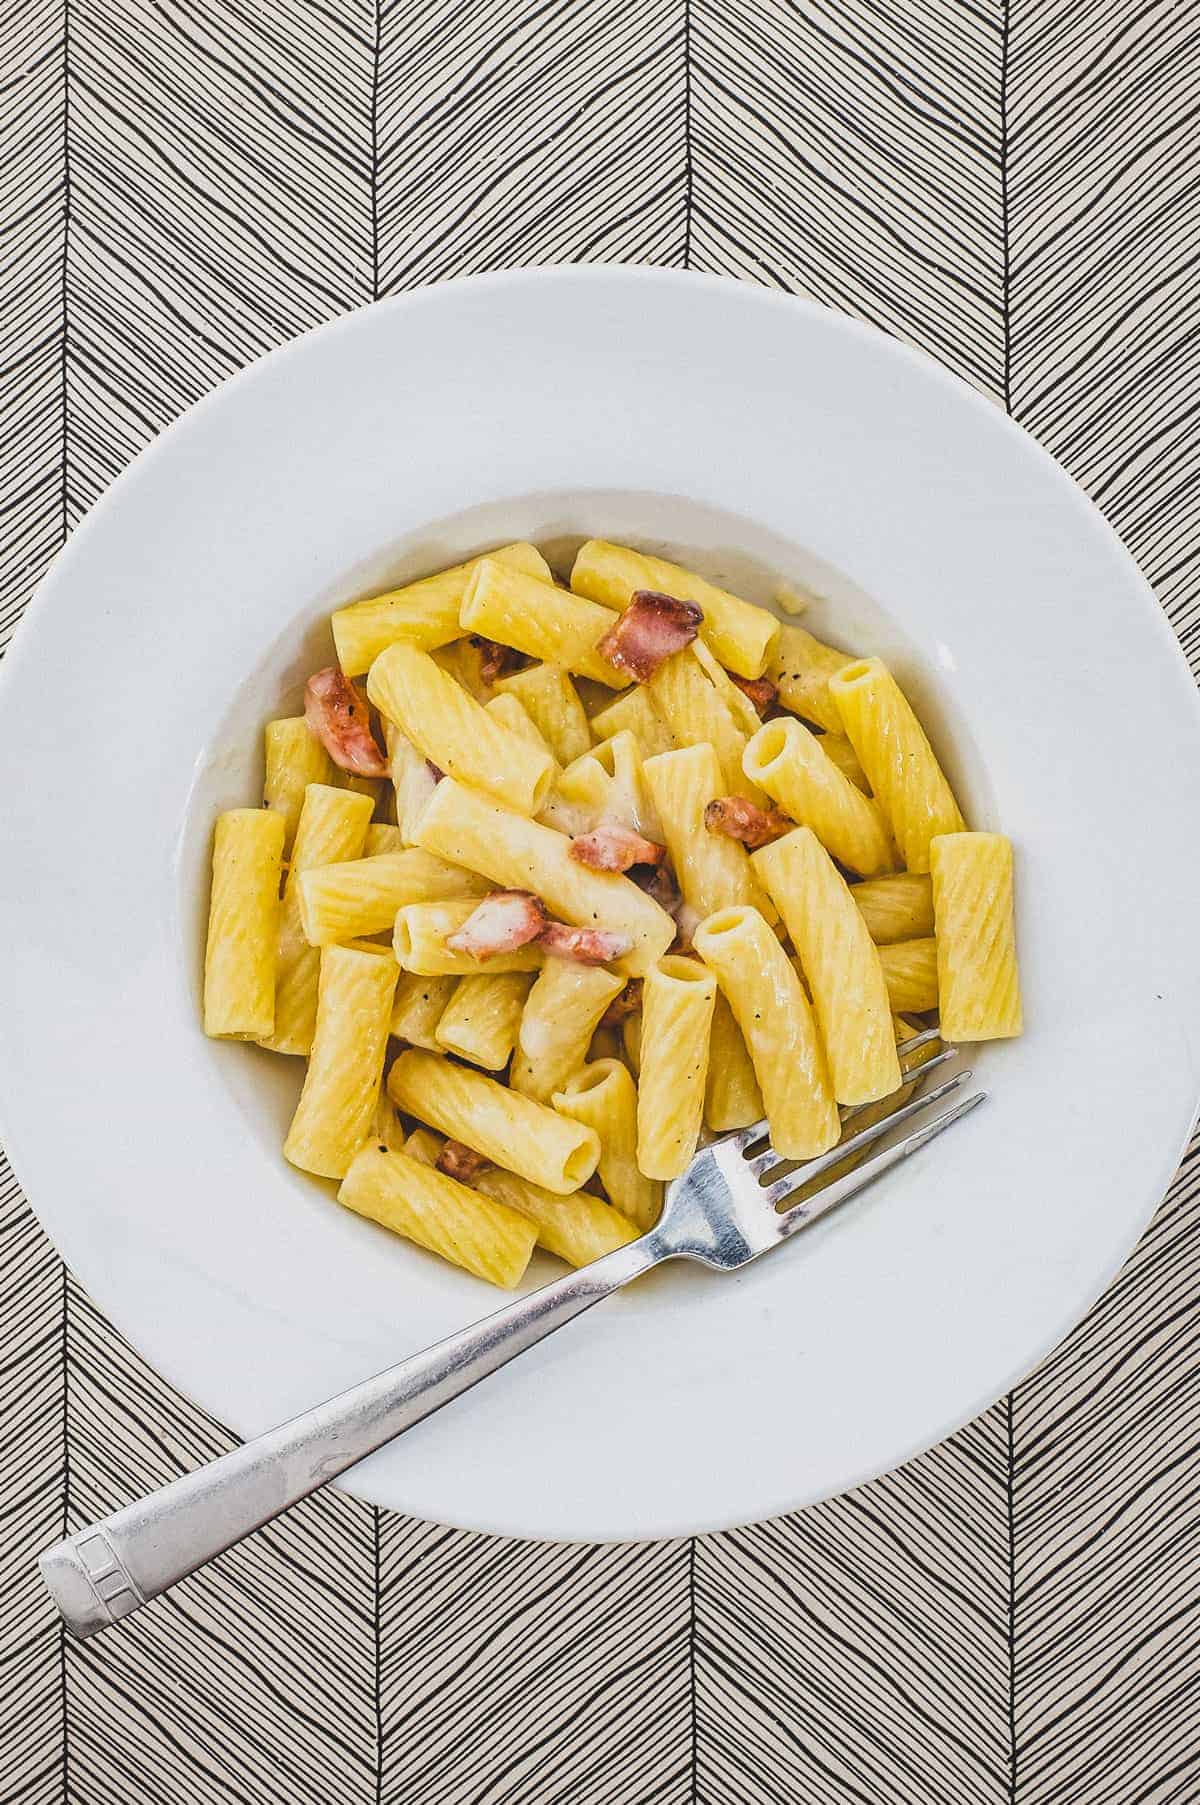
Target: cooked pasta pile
<point>583,874</point>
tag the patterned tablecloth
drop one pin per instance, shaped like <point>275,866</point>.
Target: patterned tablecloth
<point>1013,185</point>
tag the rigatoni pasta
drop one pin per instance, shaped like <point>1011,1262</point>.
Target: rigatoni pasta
<point>677,1008</point>
<point>423,614</point>
<point>243,924</point>
<point>413,1199</point>
<point>900,764</point>
<point>978,990</point>
<point>777,1024</point>
<point>345,1068</point>
<point>840,963</point>
<point>659,867</point>
<point>510,1130</point>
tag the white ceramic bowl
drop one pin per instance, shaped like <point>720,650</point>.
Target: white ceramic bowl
<point>761,439</point>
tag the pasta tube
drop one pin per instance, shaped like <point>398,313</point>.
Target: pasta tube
<point>420,935</point>
<point>789,763</point>
<point>900,764</point>
<point>552,703</point>
<point>413,781</point>
<point>634,713</point>
<point>518,854</point>
<point>361,896</point>
<point>677,1010</point>
<point>423,1145</point>
<point>382,838</point>
<point>559,1018</point>
<point>713,871</point>
<point>837,747</point>
<point>482,1017</point>
<point>332,828</point>
<point>896,908</point>
<point>451,729</point>
<point>293,758</point>
<point>482,1235</point>
<point>741,635</point>
<point>420,1003</point>
<point>978,987</point>
<point>732,1098</point>
<point>773,1013</point>
<point>579,1228</point>
<point>509,1129</point>
<point>423,614</point>
<point>243,924</point>
<point>910,972</point>
<point>800,669</point>
<point>341,1086</point>
<point>840,962</point>
<point>603,1095</point>
<point>544,622</point>
<point>509,712</point>
<point>696,715</point>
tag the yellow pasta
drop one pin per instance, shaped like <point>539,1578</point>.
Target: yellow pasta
<point>419,939</point>
<point>507,1128</point>
<point>293,758</point>
<point>423,614</point>
<point>634,713</point>
<point>579,798</point>
<point>742,636</point>
<point>387,1130</point>
<point>420,1003</point>
<point>978,987</point>
<point>713,871</point>
<point>732,1098</point>
<point>911,974</point>
<point>509,712</point>
<point>413,781</point>
<point>631,1041</point>
<point>347,901</point>
<point>341,1086</point>
<point>800,669</point>
<point>839,961</point>
<point>425,1146</point>
<point>451,729</point>
<point>557,1023</point>
<point>838,748</point>
<point>696,715</point>
<point>482,1017</point>
<point>551,701</point>
<point>382,838</point>
<point>518,854</point>
<point>332,828</point>
<point>476,1232</point>
<point>541,621</point>
<point>900,764</point>
<point>629,802</point>
<point>789,763</point>
<point>677,1010</point>
<point>463,661</point>
<point>896,908</point>
<point>603,1095</point>
<point>773,1013</point>
<point>243,924</point>
<point>578,1229</point>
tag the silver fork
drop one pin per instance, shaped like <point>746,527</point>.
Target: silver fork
<point>725,1211</point>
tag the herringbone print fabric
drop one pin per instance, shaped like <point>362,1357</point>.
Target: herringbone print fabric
<point>1013,1618</point>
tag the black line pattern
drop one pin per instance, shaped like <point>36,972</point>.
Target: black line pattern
<point>1014,1618</point>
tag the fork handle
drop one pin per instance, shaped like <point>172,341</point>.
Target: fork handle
<point>113,1568</point>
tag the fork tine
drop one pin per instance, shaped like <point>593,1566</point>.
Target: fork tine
<point>916,1041</point>
<point>791,1221</point>
<point>804,1174</point>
